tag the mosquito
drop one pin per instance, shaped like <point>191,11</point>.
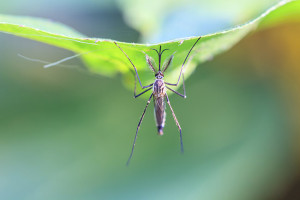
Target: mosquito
<point>159,93</point>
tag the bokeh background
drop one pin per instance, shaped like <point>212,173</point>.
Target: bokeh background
<point>67,134</point>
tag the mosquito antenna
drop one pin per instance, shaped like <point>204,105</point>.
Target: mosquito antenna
<point>159,52</point>
<point>155,50</point>
<point>159,56</point>
<point>163,51</point>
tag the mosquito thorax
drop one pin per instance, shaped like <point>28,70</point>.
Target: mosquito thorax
<point>159,89</point>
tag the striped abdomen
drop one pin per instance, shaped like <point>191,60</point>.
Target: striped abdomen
<point>160,114</point>
<point>159,104</point>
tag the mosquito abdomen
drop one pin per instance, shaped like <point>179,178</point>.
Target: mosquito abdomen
<point>160,114</point>
<point>159,92</point>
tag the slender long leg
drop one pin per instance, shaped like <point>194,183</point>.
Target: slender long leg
<point>137,75</point>
<point>176,92</point>
<point>175,84</point>
<point>183,87</point>
<point>138,127</point>
<point>136,96</point>
<point>177,123</point>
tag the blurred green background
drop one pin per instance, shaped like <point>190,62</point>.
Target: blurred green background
<point>67,134</point>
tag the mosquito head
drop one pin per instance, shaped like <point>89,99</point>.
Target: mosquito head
<point>159,75</point>
<point>159,53</point>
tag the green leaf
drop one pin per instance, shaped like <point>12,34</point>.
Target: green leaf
<point>103,57</point>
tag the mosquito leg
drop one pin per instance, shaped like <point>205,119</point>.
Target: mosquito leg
<point>175,84</point>
<point>136,73</point>
<point>148,102</point>
<point>134,93</point>
<point>176,92</point>
<point>177,123</point>
<point>136,96</point>
<point>183,85</point>
<point>181,72</point>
